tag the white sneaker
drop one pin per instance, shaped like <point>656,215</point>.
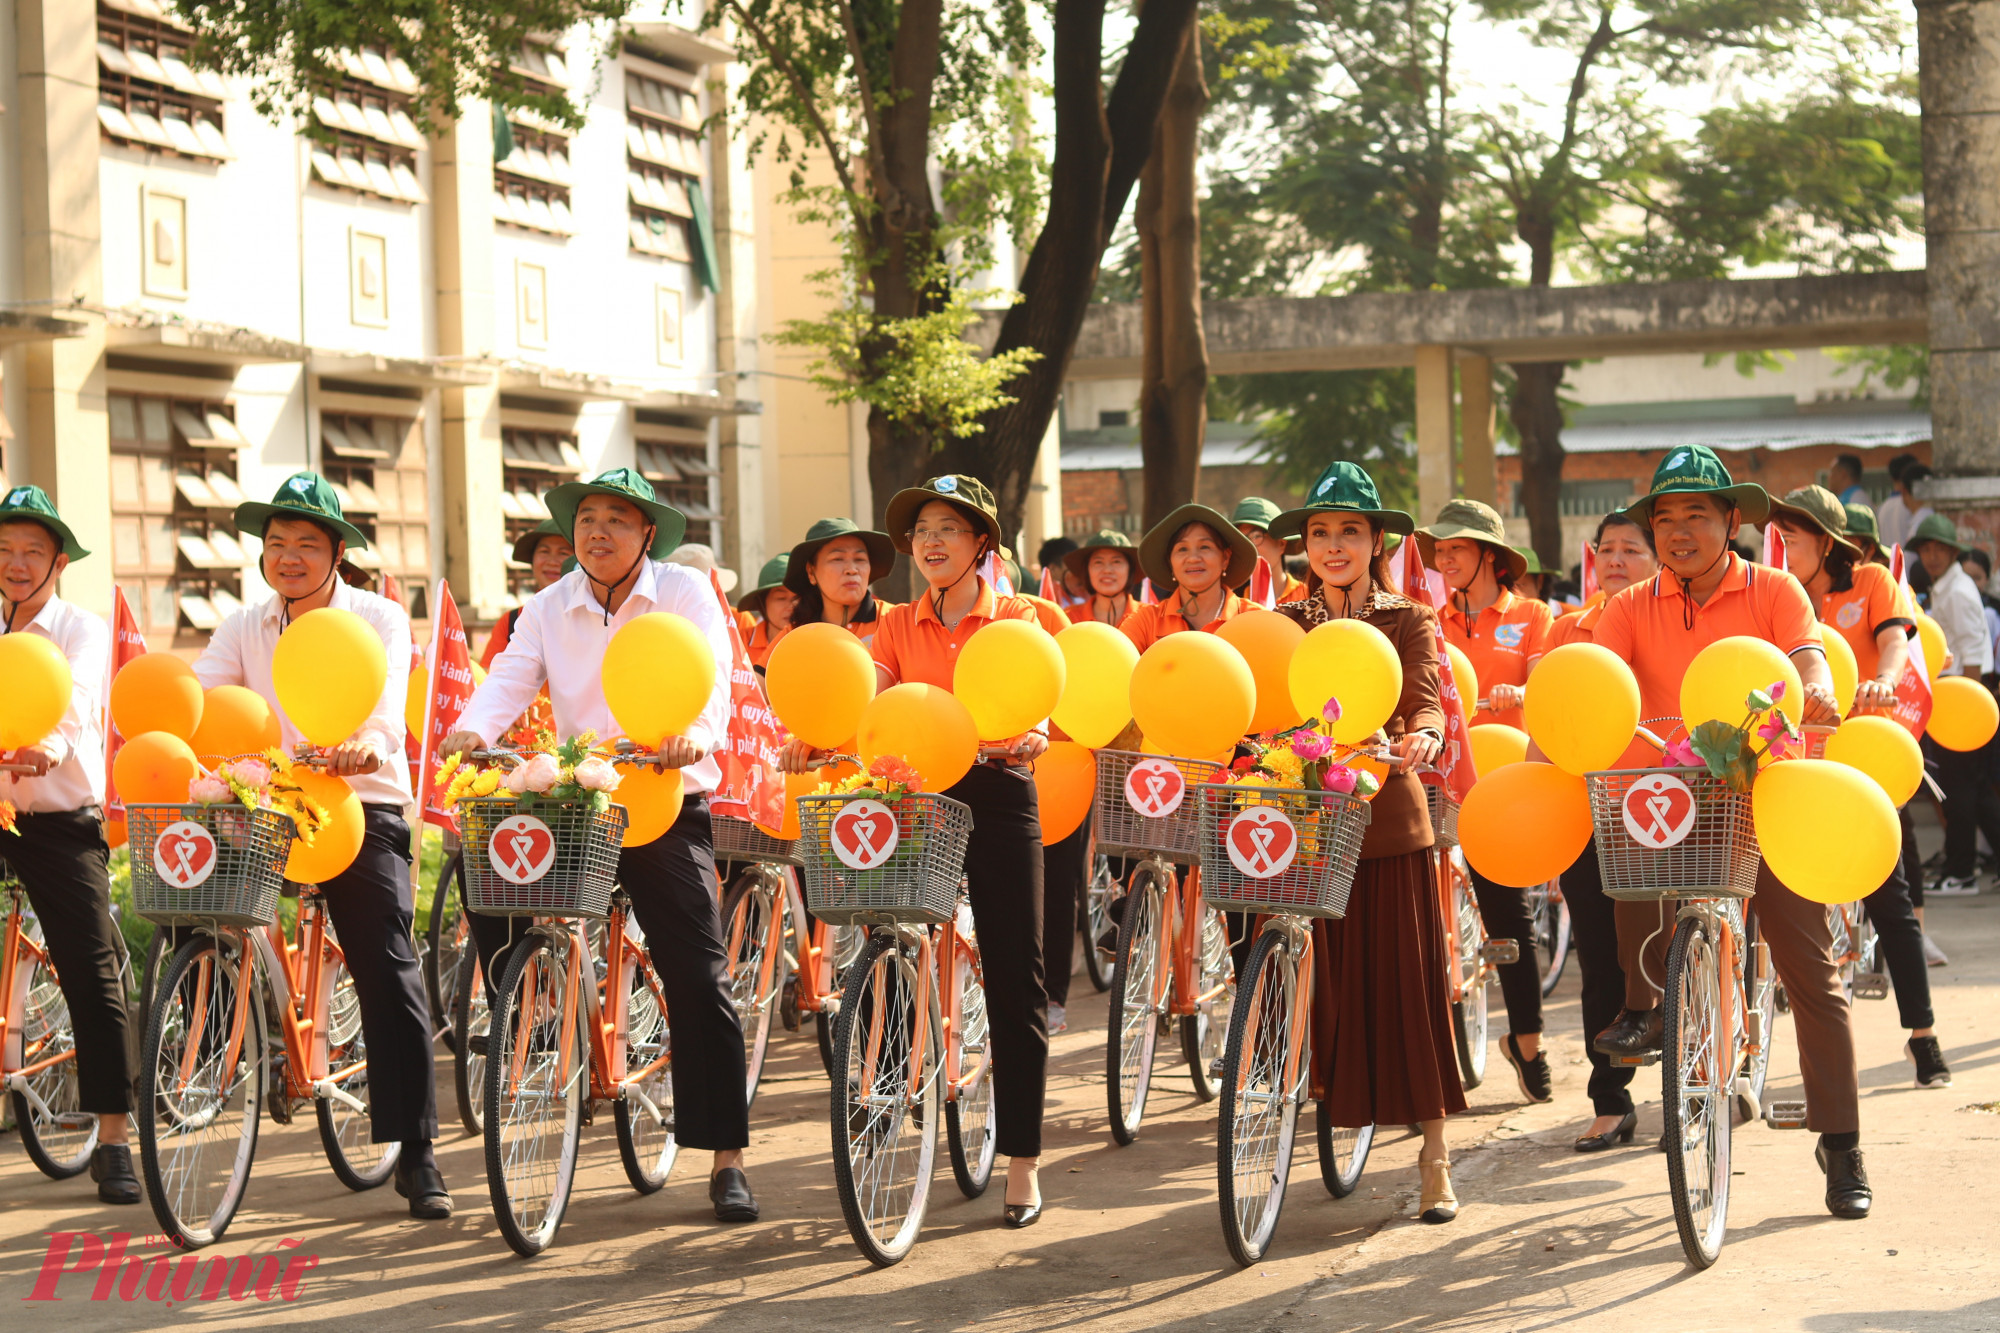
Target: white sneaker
<point>1058,1019</point>
<point>1934,956</point>
<point>1950,887</point>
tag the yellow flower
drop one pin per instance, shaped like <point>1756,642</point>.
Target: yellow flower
<point>486,783</point>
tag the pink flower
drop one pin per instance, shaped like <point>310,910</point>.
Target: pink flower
<point>251,772</point>
<point>209,790</point>
<point>595,774</point>
<point>1781,747</point>
<point>1331,712</point>
<point>1776,725</point>
<point>1680,754</point>
<point>1310,745</point>
<point>541,773</point>
<point>1339,780</point>
<point>1776,690</point>
<point>515,781</point>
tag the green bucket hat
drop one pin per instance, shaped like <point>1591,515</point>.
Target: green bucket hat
<point>1257,512</point>
<point>1156,545</point>
<point>669,523</point>
<point>1861,523</point>
<point>1693,469</point>
<point>1473,521</point>
<point>32,504</point>
<point>881,552</point>
<point>303,495</point>
<point>1343,488</point>
<point>1817,508</point>
<point>969,493</point>
<point>525,544</point>
<point>769,578</point>
<point>1527,553</point>
<point>1938,528</point>
<point>1077,562</point>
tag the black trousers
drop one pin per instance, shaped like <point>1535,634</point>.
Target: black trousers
<point>1065,870</point>
<point>672,884</point>
<point>1593,933</point>
<point>1911,864</point>
<point>1893,913</point>
<point>1507,916</point>
<point>1003,867</point>
<point>1971,807</point>
<point>60,859</point>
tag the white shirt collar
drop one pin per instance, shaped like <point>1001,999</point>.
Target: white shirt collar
<point>273,607</point>
<point>46,617</point>
<point>581,594</point>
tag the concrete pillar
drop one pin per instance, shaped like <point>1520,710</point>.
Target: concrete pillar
<point>737,348</point>
<point>1042,518</point>
<point>1475,429</point>
<point>69,434</point>
<point>475,531</point>
<point>1435,481</point>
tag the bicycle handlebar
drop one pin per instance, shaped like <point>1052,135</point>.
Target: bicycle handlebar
<point>17,768</point>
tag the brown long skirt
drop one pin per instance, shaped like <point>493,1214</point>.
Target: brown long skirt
<point>1382,1041</point>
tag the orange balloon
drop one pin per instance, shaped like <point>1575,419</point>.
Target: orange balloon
<point>927,726</point>
<point>154,768</point>
<point>652,803</point>
<point>1065,782</point>
<point>336,845</point>
<point>818,679</point>
<point>115,833</point>
<point>1524,824</point>
<point>804,784</point>
<point>1267,641</point>
<point>234,721</point>
<point>1495,745</point>
<point>156,692</point>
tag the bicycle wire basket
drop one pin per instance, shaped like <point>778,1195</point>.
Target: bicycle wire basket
<point>916,882</point>
<point>245,852</point>
<point>741,840</point>
<point>1709,852</point>
<point>1306,850</point>
<point>581,862</point>
<point>1443,805</point>
<point>1123,829</point>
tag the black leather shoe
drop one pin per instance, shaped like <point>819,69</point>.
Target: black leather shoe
<point>1633,1032</point>
<point>729,1191</point>
<point>111,1168</point>
<point>1847,1192</point>
<point>1534,1074</point>
<point>423,1186</point>
<point>1018,1215</point>
<point>1621,1132</point>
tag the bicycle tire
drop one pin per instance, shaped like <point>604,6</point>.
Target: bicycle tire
<point>471,1016</point>
<point>884,1143</point>
<point>194,1192</point>
<point>530,1170</point>
<point>58,1134</point>
<point>1253,1149</point>
<point>754,994</point>
<point>1761,998</point>
<point>1470,1020</point>
<point>1132,1026</point>
<point>1552,938</point>
<point>647,1147</point>
<point>1204,1031</point>
<point>841,941</point>
<point>357,1160</point>
<point>1094,919</point>
<point>968,1115</point>
<point>446,939</point>
<point>1343,1153</point>
<point>1693,1091</point>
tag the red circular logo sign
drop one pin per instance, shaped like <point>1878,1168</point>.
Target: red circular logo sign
<point>1155,788</point>
<point>522,849</point>
<point>865,834</point>
<point>1659,811</point>
<point>1261,842</point>
<point>184,854</point>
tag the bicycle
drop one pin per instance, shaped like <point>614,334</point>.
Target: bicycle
<point>1472,961</point>
<point>1094,920</point>
<point>1552,933</point>
<point>1173,963</point>
<point>446,939</point>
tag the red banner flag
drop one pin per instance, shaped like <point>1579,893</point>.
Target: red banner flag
<point>1912,708</point>
<point>1147,597</point>
<point>1261,591</point>
<point>1455,761</point>
<point>126,643</point>
<point>450,657</point>
<point>1051,590</point>
<point>393,591</point>
<point>1587,562</point>
<point>1415,581</point>
<point>1774,546</point>
<point>752,788</point>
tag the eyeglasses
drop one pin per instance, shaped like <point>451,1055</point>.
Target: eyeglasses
<point>950,532</point>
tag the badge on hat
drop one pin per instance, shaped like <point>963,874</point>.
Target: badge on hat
<point>947,485</point>
<point>18,497</point>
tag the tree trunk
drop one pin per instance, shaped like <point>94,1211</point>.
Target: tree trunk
<point>1536,411</point>
<point>1173,392</point>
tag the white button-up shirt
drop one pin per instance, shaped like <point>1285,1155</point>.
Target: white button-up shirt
<point>1956,607</point>
<point>76,747</point>
<point>239,653</point>
<point>560,640</point>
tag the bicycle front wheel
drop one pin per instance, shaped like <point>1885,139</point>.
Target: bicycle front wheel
<point>201,1082</point>
<point>645,1108</point>
<point>537,1066</point>
<point>58,1134</point>
<point>1552,933</point>
<point>447,939</point>
<point>1343,1153</point>
<point>968,1114</point>
<point>360,1162</point>
<point>1695,1088</point>
<point>1469,1014</point>
<point>1095,922</point>
<point>1132,1034</point>
<point>757,969</point>
<point>1204,1030</point>
<point>887,1098</point>
<point>1261,1086</point>
<point>471,1023</point>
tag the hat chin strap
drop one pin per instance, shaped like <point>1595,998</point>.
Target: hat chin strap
<point>631,569</point>
<point>13,608</point>
<point>285,616</point>
<point>1687,588</point>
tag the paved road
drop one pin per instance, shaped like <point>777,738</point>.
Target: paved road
<point>1546,1238</point>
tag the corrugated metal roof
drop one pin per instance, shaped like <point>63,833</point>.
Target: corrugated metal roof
<point>1862,430</point>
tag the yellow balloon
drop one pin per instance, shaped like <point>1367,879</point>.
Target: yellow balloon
<point>1723,674</point>
<point>1496,745</point>
<point>652,802</point>
<point>927,726</point>
<point>37,691</point>
<point>1010,674</point>
<point>1963,714</point>
<point>1096,700</point>
<point>235,720</point>
<point>1267,641</point>
<point>413,700</point>
<point>1882,749</point>
<point>658,673</point>
<point>1931,635</point>
<point>336,845</point>
<point>1846,671</point>
<point>1467,678</point>
<point>818,679</point>
<point>329,669</point>
<point>1193,694</point>
<point>1352,661</point>
<point>1828,831</point>
<point>1582,707</point>
<point>156,692</point>
<point>1065,783</point>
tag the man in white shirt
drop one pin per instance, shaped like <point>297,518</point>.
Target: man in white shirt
<point>1897,517</point>
<point>1970,804</point>
<point>305,537</point>
<point>60,856</point>
<point>622,534</point>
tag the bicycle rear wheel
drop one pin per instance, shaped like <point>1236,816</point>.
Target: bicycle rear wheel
<point>1259,1115</point>
<point>1552,933</point>
<point>1204,1031</point>
<point>884,1123</point>
<point>644,1111</point>
<point>537,1067</point>
<point>58,1134</point>
<point>1095,922</point>
<point>968,1116</point>
<point>447,938</point>
<point>1695,1093</point>
<point>201,1082</point>
<point>1132,1032</point>
<point>1343,1153</point>
<point>351,1150</point>
<point>471,1024</point>
<point>1468,1015</point>
<point>757,969</point>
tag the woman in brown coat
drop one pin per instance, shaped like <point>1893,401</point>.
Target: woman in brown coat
<point>1382,1041</point>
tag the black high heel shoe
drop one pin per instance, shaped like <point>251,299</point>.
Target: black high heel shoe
<point>1622,1132</point>
<point>1018,1215</point>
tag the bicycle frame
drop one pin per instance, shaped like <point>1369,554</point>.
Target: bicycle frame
<point>1299,936</point>
<point>21,1060</point>
<point>936,950</point>
<point>1174,966</point>
<point>607,1015</point>
<point>1736,1041</point>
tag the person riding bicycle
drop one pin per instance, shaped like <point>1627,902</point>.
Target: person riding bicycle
<point>305,537</point>
<point>1194,556</point>
<point>772,603</point>
<point>60,855</point>
<point>1503,634</point>
<point>1705,593</point>
<point>1382,1043</point>
<point>1108,566</point>
<point>1252,518</point>
<point>832,571</point>
<point>622,533</point>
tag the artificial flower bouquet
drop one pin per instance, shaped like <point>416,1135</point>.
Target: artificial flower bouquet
<point>261,782</point>
<point>1728,751</point>
<point>888,778</point>
<point>568,774</point>
<point>1306,758</point>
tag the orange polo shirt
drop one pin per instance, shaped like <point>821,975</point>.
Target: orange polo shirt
<point>760,641</point>
<point>1048,614</point>
<point>1646,625</point>
<point>1146,625</point>
<point>1867,608</point>
<point>1294,591</point>
<point>1502,642</point>
<point>1576,627</point>
<point>1081,611</point>
<point>915,648</point>
<point>865,630</point>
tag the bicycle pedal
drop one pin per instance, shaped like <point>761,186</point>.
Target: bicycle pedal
<point>1785,1115</point>
<point>1871,986</point>
<point>1643,1060</point>
<point>788,1005</point>
<point>1500,952</point>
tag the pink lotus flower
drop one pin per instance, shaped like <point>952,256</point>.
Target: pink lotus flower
<point>1776,690</point>
<point>1781,747</point>
<point>209,790</point>
<point>1331,712</point>
<point>1340,780</point>
<point>1680,754</point>
<point>1310,745</point>
<point>1775,726</point>
<point>251,772</point>
<point>595,774</point>
<point>541,773</point>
